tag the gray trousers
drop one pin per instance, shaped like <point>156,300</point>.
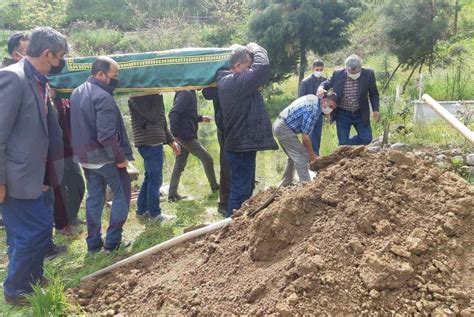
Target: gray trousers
<point>297,155</point>
<point>195,148</point>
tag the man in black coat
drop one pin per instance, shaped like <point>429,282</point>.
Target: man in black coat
<point>354,87</point>
<point>100,145</point>
<point>309,86</point>
<point>247,126</point>
<point>184,120</point>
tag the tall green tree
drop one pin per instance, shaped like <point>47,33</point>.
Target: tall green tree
<point>413,28</point>
<point>291,28</point>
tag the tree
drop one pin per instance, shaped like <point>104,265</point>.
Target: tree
<point>291,28</point>
<point>412,29</point>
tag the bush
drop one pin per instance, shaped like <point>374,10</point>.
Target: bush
<point>26,15</point>
<point>106,12</point>
<point>95,42</point>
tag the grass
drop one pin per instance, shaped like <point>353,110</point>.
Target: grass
<point>66,270</point>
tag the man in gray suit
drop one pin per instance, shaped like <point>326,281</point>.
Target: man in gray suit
<point>30,159</point>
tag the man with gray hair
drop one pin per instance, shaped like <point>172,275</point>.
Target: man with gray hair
<point>30,136</point>
<point>354,86</point>
<point>247,126</point>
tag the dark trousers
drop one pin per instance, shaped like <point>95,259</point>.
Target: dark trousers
<point>28,225</point>
<point>195,148</point>
<point>344,121</point>
<point>149,197</point>
<point>69,195</point>
<point>97,181</point>
<point>224,180</point>
<point>242,178</point>
<point>316,135</point>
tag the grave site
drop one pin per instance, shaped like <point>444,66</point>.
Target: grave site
<point>375,234</point>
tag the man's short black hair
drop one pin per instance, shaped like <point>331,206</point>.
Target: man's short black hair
<point>318,63</point>
<point>239,55</point>
<point>14,41</point>
<point>101,64</point>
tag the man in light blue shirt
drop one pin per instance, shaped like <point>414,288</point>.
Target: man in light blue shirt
<point>300,117</point>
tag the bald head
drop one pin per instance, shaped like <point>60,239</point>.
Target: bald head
<point>106,70</point>
<point>103,64</point>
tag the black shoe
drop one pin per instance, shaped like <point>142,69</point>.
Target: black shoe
<point>54,251</point>
<point>16,301</point>
<point>215,189</point>
<point>176,198</point>
<point>122,245</point>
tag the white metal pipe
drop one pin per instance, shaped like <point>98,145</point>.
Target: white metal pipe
<point>162,246</point>
<point>448,117</point>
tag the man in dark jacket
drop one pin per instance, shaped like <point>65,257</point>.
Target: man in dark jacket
<point>184,121</point>
<point>150,133</point>
<point>354,86</point>
<point>309,86</point>
<point>247,126</point>
<point>100,144</point>
<point>224,179</point>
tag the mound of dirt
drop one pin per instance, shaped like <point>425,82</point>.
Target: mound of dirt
<point>374,234</point>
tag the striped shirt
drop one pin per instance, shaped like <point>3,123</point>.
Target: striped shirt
<point>350,100</point>
<point>302,114</point>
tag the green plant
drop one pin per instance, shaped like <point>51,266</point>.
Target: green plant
<point>50,300</point>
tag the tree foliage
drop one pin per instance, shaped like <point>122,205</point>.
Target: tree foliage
<point>413,28</point>
<point>290,28</point>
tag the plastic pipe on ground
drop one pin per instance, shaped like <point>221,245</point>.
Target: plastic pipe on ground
<point>452,120</point>
<point>160,247</point>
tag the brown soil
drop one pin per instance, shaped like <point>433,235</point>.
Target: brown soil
<point>374,234</point>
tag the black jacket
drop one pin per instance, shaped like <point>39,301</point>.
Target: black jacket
<point>247,126</point>
<point>184,117</point>
<point>310,84</point>
<point>367,89</point>
<point>97,128</point>
<point>212,94</point>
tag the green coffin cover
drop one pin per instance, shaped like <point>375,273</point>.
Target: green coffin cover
<point>152,72</point>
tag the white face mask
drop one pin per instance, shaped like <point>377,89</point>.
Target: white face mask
<point>318,74</point>
<point>326,109</point>
<point>354,76</point>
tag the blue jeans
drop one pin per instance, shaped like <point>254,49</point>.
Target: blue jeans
<point>344,121</point>
<point>149,197</point>
<point>316,135</point>
<point>29,228</point>
<point>242,178</point>
<point>97,181</point>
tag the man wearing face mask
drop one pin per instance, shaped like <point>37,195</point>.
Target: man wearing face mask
<point>30,138</point>
<point>247,126</point>
<point>300,117</point>
<point>309,86</point>
<point>354,87</point>
<point>17,45</point>
<point>100,144</point>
